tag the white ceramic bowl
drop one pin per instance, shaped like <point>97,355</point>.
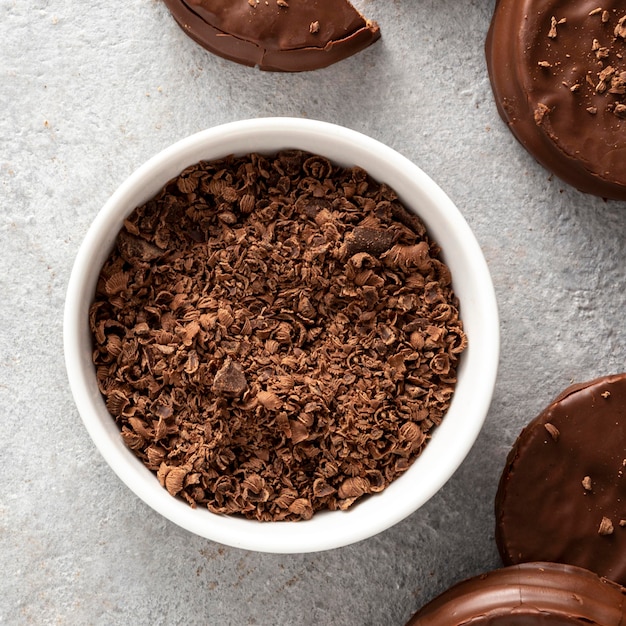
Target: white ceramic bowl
<point>451,441</point>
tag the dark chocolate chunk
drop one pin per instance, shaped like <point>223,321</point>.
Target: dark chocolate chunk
<point>561,499</point>
<point>276,35</point>
<point>532,594</point>
<point>373,241</point>
<point>230,380</point>
<point>137,249</point>
<point>558,72</point>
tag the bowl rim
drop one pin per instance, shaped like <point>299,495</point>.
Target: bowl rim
<point>477,372</point>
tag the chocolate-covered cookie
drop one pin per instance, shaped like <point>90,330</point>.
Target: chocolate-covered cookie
<point>532,594</point>
<point>562,494</point>
<point>558,72</point>
<point>278,35</point>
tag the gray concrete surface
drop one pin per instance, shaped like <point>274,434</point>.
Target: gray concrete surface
<point>89,92</point>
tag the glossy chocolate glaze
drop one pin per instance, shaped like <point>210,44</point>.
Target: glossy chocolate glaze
<point>545,82</point>
<point>298,37</point>
<point>531,594</point>
<point>564,475</point>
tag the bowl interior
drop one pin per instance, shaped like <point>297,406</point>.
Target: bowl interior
<point>451,441</point>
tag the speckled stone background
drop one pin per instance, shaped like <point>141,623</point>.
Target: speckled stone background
<point>88,92</point>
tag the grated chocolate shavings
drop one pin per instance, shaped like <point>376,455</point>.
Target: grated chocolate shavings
<point>606,527</point>
<point>552,430</point>
<point>620,111</point>
<point>601,52</point>
<point>275,335</point>
<point>618,84</point>
<point>552,33</point>
<point>541,110</point>
<point>610,78</point>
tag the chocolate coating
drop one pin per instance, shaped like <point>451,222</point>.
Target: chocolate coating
<point>532,594</point>
<point>562,494</point>
<point>297,36</point>
<point>546,60</point>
